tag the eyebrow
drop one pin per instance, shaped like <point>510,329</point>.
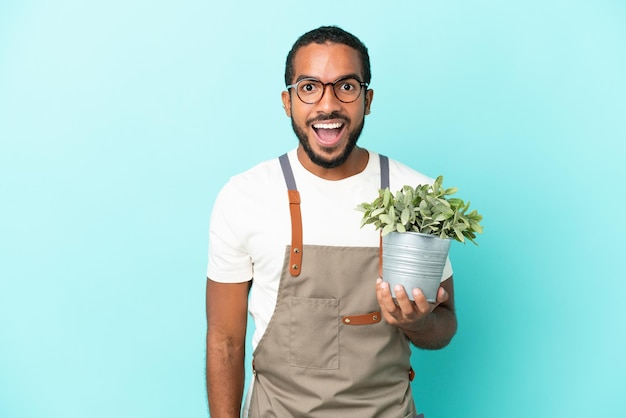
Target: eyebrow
<point>343,77</point>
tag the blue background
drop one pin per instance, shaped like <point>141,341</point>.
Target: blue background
<point>120,121</point>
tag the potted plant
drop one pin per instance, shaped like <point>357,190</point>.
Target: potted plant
<point>417,225</point>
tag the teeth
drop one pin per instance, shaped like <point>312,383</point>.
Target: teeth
<point>336,125</point>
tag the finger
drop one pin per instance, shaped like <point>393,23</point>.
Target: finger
<point>405,304</point>
<point>420,301</point>
<point>442,295</point>
<point>383,294</point>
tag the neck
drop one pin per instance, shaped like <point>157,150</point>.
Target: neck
<point>354,164</point>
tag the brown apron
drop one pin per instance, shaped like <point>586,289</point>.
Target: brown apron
<point>327,352</point>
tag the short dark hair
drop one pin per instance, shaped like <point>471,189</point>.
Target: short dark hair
<point>325,34</point>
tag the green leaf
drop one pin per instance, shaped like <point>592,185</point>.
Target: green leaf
<point>456,203</point>
<point>386,197</point>
<point>408,196</point>
<point>377,212</point>
<point>423,208</point>
<point>443,216</point>
<point>388,228</point>
<point>459,235</point>
<point>404,217</point>
<point>476,227</point>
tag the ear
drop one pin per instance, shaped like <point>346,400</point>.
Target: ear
<point>369,96</point>
<point>286,98</point>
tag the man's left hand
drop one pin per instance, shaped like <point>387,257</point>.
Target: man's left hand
<point>402,312</point>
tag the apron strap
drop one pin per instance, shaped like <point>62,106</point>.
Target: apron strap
<point>384,183</point>
<point>295,255</point>
<point>384,172</point>
<point>287,172</point>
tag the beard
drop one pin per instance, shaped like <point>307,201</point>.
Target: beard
<point>320,160</point>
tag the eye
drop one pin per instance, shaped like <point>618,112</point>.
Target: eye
<point>308,86</point>
<point>347,85</point>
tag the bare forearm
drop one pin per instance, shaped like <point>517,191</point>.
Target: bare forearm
<point>227,306</point>
<point>225,378</point>
<point>435,331</point>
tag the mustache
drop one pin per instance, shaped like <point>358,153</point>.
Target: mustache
<point>328,116</point>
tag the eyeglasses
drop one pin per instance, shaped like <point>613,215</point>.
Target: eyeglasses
<point>311,90</point>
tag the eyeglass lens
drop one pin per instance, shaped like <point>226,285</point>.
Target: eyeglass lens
<point>311,91</point>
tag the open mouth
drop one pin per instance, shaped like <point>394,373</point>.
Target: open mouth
<point>328,134</point>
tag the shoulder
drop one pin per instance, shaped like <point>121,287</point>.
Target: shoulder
<point>266,171</point>
<point>261,178</point>
<point>259,190</point>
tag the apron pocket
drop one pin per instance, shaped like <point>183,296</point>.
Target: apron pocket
<point>314,333</point>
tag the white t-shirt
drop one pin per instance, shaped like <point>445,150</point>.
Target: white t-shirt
<point>251,226</point>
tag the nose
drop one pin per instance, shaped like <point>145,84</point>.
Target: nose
<point>329,102</point>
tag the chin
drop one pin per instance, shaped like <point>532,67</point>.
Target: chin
<point>327,157</point>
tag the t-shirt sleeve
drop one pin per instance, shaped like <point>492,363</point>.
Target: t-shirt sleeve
<point>229,259</point>
<point>447,270</point>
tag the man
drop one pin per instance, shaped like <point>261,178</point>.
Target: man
<point>320,346</point>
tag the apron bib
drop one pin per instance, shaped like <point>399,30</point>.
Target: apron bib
<point>327,352</point>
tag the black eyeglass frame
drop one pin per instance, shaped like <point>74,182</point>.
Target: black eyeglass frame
<point>295,86</point>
